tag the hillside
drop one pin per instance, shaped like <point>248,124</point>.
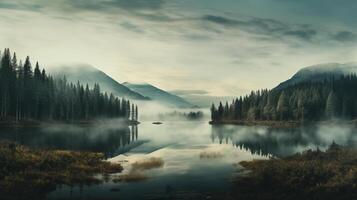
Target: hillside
<point>159,95</point>
<point>91,75</point>
<point>310,95</point>
<point>319,73</point>
<point>32,96</point>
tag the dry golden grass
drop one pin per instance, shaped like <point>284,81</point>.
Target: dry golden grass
<point>147,164</point>
<point>137,168</point>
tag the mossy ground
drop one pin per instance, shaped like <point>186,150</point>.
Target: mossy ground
<point>310,175</point>
<point>26,172</point>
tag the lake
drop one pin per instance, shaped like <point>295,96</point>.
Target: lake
<point>198,158</point>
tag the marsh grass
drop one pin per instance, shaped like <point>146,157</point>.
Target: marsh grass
<point>27,172</point>
<point>136,172</point>
<point>309,175</point>
<point>147,164</point>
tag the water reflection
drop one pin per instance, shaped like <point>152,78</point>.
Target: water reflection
<point>179,145</point>
<point>111,141</point>
<point>283,142</point>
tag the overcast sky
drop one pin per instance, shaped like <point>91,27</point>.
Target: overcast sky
<point>224,47</point>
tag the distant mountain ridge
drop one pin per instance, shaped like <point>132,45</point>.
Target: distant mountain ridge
<point>319,73</point>
<point>87,74</point>
<point>159,95</point>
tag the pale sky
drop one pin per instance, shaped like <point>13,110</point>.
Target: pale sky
<point>224,47</point>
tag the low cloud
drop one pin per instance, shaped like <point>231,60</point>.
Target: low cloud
<point>18,5</point>
<point>190,92</point>
<point>137,4</point>
<point>122,4</point>
<point>345,36</point>
<point>170,45</point>
<point>157,11</point>
<point>84,5</point>
<point>307,34</point>
<point>132,27</point>
<point>277,29</point>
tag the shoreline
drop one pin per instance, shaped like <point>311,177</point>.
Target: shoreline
<point>36,173</point>
<point>37,123</point>
<point>273,124</point>
<point>306,175</point>
<point>281,124</point>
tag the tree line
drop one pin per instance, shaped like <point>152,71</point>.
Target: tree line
<point>32,94</point>
<point>334,97</point>
<point>176,115</point>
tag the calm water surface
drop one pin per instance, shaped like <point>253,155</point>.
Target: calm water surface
<point>179,145</point>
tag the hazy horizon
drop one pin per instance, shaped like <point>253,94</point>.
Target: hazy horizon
<point>216,48</point>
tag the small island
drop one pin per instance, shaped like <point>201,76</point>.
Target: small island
<point>179,115</point>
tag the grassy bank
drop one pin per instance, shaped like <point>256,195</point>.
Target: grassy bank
<point>273,124</point>
<point>32,173</point>
<point>136,172</point>
<point>309,175</point>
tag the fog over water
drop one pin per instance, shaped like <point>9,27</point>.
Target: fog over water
<point>197,157</point>
<point>151,110</point>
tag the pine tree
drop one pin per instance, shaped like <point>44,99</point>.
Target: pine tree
<point>269,108</point>
<point>213,113</point>
<point>136,113</point>
<point>331,105</point>
<point>132,112</point>
<point>37,72</point>
<point>282,106</point>
<point>220,112</point>
<point>35,95</point>
<point>305,101</point>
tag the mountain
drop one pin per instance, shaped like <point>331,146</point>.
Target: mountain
<point>87,74</point>
<point>320,72</point>
<point>159,95</point>
<point>306,97</point>
<point>200,99</point>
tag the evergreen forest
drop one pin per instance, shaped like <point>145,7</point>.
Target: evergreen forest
<point>32,94</point>
<point>333,97</point>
